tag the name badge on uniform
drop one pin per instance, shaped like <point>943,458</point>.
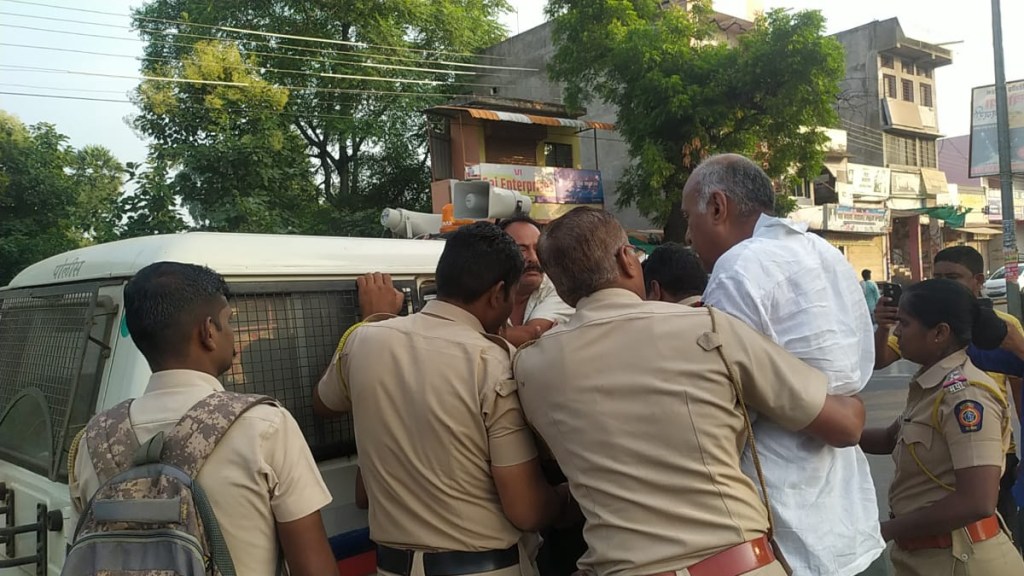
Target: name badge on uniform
<point>969,415</point>
<point>955,381</point>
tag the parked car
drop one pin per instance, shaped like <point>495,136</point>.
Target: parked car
<point>995,286</point>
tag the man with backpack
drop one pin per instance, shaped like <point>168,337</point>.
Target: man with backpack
<point>187,478</point>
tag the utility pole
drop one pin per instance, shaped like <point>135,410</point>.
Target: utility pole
<point>1013,300</point>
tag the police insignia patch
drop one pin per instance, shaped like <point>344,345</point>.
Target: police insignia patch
<point>955,381</point>
<point>969,415</point>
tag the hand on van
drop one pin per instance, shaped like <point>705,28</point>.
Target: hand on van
<point>378,295</point>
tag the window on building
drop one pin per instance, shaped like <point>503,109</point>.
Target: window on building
<point>908,90</point>
<point>557,155</point>
<point>900,150</point>
<point>926,95</point>
<point>890,85</point>
<point>929,159</point>
<point>908,67</point>
<point>926,72</point>
<point>888,61</point>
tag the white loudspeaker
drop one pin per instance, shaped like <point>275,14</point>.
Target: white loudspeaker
<point>408,224</point>
<point>477,200</point>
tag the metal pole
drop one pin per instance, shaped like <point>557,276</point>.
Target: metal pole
<point>1013,301</point>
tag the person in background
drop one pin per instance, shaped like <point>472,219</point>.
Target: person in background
<point>536,307</point>
<point>673,273</point>
<point>799,290</point>
<point>964,265</point>
<point>949,444</point>
<point>871,294</point>
<point>261,479</point>
<point>641,403</point>
<point>449,468</point>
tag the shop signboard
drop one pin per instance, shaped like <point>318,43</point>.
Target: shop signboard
<point>857,219</point>
<point>868,181</point>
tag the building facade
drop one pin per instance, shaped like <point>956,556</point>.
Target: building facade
<point>888,106</point>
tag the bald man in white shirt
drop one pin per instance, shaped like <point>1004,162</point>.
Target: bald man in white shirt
<point>798,290</point>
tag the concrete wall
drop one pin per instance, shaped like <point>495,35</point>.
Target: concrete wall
<point>859,106</point>
<point>533,49</point>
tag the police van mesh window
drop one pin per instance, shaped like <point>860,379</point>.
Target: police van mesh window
<point>53,345</point>
<point>284,341</point>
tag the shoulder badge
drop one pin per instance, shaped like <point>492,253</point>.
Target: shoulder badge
<point>969,415</point>
<point>956,381</point>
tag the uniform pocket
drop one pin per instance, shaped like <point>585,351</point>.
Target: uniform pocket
<point>917,434</point>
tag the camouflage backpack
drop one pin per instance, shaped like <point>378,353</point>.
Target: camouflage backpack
<point>150,517</point>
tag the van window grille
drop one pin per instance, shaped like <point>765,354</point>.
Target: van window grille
<point>53,343</point>
<point>284,338</point>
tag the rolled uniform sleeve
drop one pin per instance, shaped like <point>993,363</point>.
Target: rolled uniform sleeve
<point>972,422</point>
<point>509,439</point>
<point>296,488</point>
<point>774,382</point>
<point>332,387</point>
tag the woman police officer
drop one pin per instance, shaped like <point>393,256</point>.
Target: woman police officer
<point>949,444</point>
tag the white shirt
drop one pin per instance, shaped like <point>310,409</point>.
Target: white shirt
<point>797,289</point>
<point>544,303</point>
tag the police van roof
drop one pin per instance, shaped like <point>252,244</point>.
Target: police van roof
<point>234,255</point>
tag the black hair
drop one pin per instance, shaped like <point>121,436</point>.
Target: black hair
<point>677,269</point>
<point>963,255</point>
<point>475,258</point>
<point>865,274</point>
<point>506,222</point>
<point>164,301</point>
<point>941,301</point>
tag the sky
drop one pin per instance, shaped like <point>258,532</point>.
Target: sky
<point>112,65</point>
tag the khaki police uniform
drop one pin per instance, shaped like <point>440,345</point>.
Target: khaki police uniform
<point>260,473</point>
<point>955,418</point>
<point>637,406</point>
<point>434,408</point>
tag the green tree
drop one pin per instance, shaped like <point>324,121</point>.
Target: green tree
<point>98,178</point>
<point>683,94</point>
<point>37,198</point>
<point>234,160</point>
<point>152,207</point>
<point>355,105</point>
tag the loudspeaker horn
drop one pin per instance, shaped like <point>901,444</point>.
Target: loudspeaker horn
<point>408,224</point>
<point>478,200</point>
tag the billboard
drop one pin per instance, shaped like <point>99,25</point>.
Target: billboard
<point>984,153</point>
<point>868,181</point>
<point>542,184</point>
<point>860,220</point>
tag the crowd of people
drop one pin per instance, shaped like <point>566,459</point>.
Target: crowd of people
<point>566,405</point>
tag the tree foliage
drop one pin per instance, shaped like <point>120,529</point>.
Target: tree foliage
<point>351,108</point>
<point>684,93</point>
<point>53,198</point>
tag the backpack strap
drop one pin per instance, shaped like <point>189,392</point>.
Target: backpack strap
<point>111,441</point>
<point>194,437</point>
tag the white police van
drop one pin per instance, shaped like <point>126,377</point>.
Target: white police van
<point>65,354</point>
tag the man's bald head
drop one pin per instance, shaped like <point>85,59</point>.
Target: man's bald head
<point>722,200</point>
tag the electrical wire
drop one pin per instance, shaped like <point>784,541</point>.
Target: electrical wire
<point>20,68</point>
<point>261,68</point>
<point>270,34</point>
<point>246,50</point>
<point>123,101</point>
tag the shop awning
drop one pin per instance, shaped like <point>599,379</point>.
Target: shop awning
<point>981,230</point>
<point>500,116</point>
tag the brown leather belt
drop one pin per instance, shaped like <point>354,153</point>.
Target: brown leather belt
<point>734,561</point>
<point>978,532</point>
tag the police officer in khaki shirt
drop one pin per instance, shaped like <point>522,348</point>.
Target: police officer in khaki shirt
<point>261,478</point>
<point>449,466</point>
<point>636,402</point>
<point>949,444</point>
